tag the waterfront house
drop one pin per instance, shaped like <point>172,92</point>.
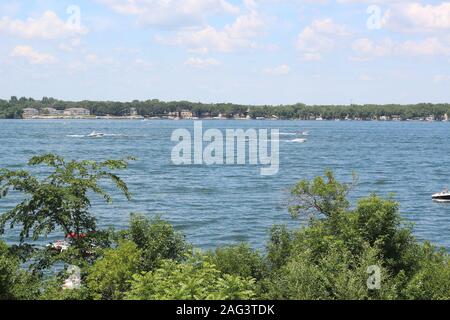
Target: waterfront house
<point>173,114</point>
<point>221,116</point>
<point>77,112</point>
<point>29,113</point>
<point>186,114</point>
<point>49,111</point>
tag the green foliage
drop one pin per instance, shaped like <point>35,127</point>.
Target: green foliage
<point>15,283</point>
<point>157,239</point>
<point>52,290</point>
<point>432,279</point>
<point>13,108</point>
<point>334,274</point>
<point>110,276</point>
<point>60,200</point>
<point>195,279</point>
<point>239,260</point>
<point>329,257</point>
<point>321,195</point>
<point>380,224</point>
<point>83,256</point>
<point>279,246</point>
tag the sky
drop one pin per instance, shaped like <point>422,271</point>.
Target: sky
<point>239,51</point>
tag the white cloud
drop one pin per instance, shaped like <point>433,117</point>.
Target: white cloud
<point>171,12</point>
<point>70,45</point>
<point>365,77</point>
<point>415,17</point>
<point>368,47</point>
<point>321,36</point>
<point>438,78</point>
<point>47,26</point>
<point>143,63</point>
<point>95,59</point>
<point>236,36</point>
<point>202,63</point>
<point>277,71</point>
<point>32,56</point>
<point>372,1</point>
<point>312,56</point>
<point>388,47</point>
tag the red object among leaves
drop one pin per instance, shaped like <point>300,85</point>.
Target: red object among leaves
<point>73,235</point>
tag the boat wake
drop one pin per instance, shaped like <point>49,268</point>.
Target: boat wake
<point>287,134</point>
<point>298,140</point>
<point>94,134</point>
<point>76,136</point>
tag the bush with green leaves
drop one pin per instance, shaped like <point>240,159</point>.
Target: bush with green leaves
<point>240,260</point>
<point>157,239</point>
<point>195,279</point>
<point>279,246</point>
<point>15,283</point>
<point>328,258</point>
<point>109,277</point>
<point>431,281</point>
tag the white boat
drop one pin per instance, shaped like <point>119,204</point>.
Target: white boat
<point>95,134</point>
<point>443,196</point>
<point>59,245</point>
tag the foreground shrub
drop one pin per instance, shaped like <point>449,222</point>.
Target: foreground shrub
<point>239,260</point>
<point>336,275</point>
<point>279,247</point>
<point>15,283</point>
<point>157,240</point>
<point>52,290</point>
<point>332,256</point>
<point>110,276</point>
<point>432,280</point>
<point>195,279</point>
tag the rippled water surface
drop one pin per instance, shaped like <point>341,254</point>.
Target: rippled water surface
<point>215,205</point>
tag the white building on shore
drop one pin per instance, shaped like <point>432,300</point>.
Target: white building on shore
<point>77,112</point>
<point>29,113</point>
<point>50,111</point>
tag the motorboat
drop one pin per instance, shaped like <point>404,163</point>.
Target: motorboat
<point>95,134</point>
<point>59,246</point>
<point>442,196</point>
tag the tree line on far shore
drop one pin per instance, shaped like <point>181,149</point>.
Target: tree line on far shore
<point>13,108</point>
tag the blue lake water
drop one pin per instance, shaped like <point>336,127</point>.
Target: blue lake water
<point>216,205</point>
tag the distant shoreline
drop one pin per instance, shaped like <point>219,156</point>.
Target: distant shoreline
<point>227,119</point>
<point>49,108</point>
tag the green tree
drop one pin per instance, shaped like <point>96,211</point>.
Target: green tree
<point>195,279</point>
<point>240,260</point>
<point>322,195</point>
<point>15,283</point>
<point>157,239</point>
<point>328,258</point>
<point>60,200</point>
<point>109,278</point>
